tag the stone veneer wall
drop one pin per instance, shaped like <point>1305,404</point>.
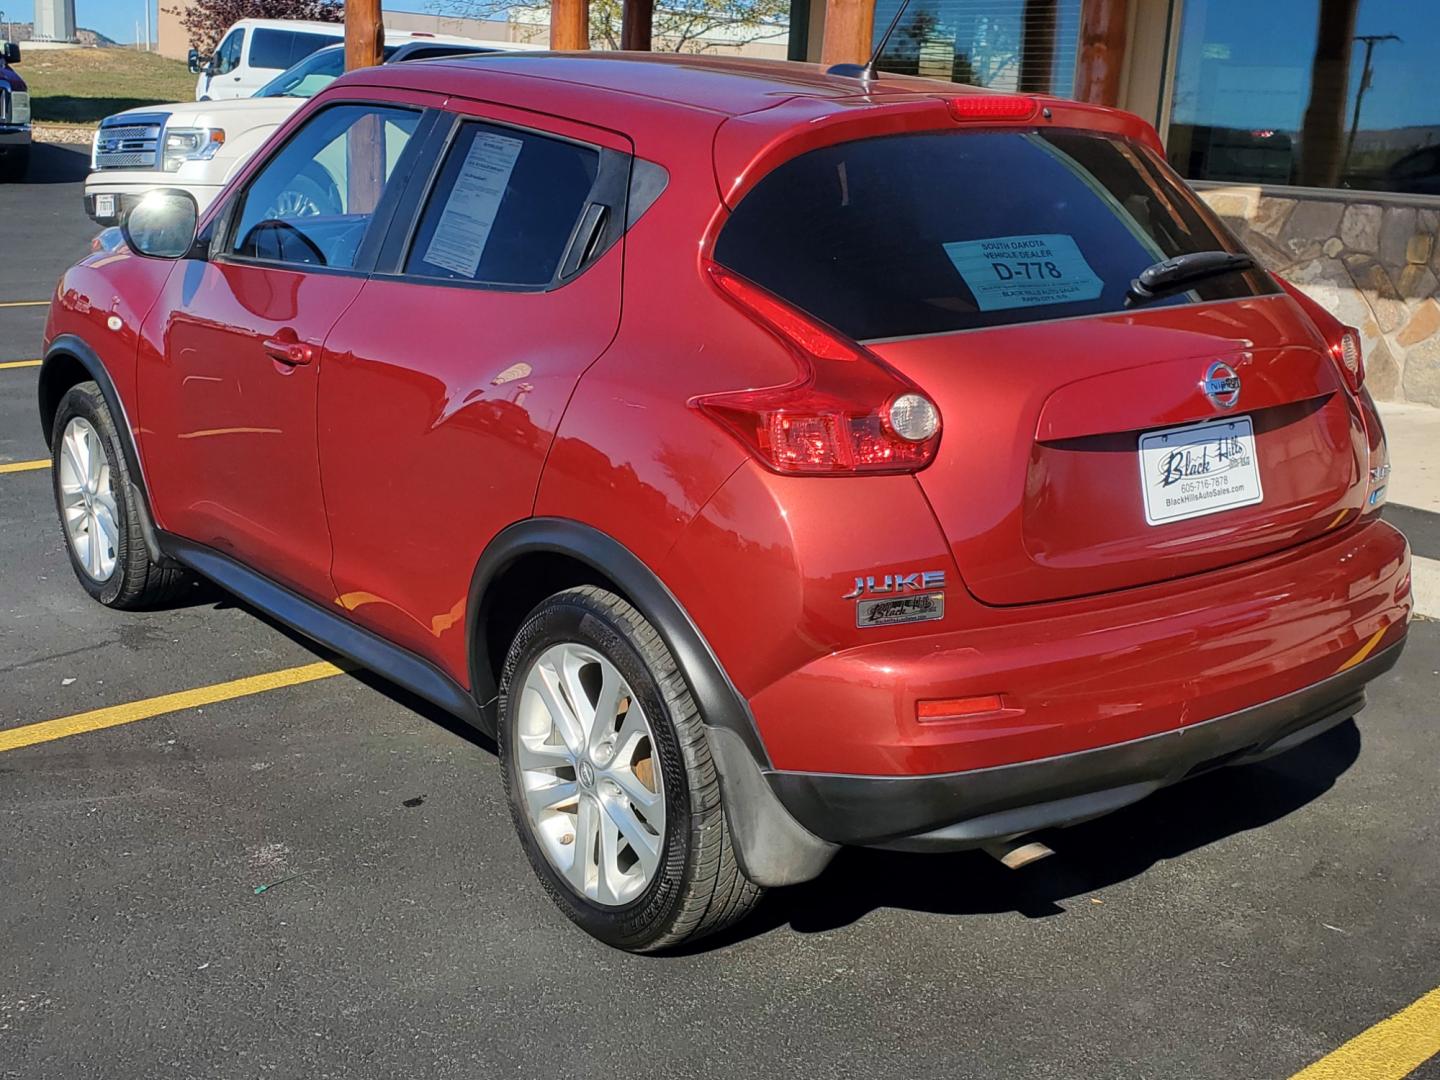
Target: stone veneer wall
<point>1373,261</point>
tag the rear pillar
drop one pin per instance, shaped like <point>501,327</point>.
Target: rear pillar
<point>849,31</point>
<point>569,24</point>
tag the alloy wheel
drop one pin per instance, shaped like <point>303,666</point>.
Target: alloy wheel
<point>593,791</point>
<point>88,500</point>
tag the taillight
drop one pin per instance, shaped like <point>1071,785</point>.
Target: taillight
<point>1346,350</point>
<point>846,412</point>
<point>992,107</point>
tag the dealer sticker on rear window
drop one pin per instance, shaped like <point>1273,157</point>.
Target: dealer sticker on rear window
<point>1024,271</point>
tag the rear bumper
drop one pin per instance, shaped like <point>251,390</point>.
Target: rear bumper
<point>1086,674</point>
<point>966,809</point>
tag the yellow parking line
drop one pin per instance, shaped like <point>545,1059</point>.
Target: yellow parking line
<point>24,303</point>
<point>1391,1049</point>
<point>18,363</point>
<point>115,715</point>
<point>24,466</point>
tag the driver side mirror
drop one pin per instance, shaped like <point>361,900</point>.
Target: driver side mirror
<point>196,61</point>
<point>162,225</point>
<point>12,53</point>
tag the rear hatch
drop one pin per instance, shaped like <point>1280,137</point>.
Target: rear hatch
<point>1088,445</point>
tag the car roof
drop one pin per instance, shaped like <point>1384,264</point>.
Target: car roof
<point>730,85</point>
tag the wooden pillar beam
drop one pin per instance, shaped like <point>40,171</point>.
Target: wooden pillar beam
<point>637,24</point>
<point>849,31</point>
<point>364,34</point>
<point>1103,27</point>
<point>569,24</point>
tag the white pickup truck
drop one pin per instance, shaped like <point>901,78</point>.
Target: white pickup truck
<point>199,145</point>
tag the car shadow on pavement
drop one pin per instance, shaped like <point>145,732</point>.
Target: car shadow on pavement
<point>58,163</point>
<point>1088,857</point>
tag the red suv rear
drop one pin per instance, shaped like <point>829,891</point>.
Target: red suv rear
<point>770,461</point>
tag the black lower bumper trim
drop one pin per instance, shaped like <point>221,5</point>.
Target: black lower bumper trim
<point>966,809</point>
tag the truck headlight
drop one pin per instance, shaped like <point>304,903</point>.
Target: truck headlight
<point>190,144</point>
<point>20,107</point>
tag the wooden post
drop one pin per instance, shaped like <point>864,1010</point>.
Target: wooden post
<point>364,34</point>
<point>637,24</point>
<point>1103,25</point>
<point>569,24</point>
<point>365,141</point>
<point>849,31</point>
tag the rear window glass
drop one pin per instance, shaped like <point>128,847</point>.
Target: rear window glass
<point>931,233</point>
<point>282,48</point>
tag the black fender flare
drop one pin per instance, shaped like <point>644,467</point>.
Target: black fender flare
<point>772,847</point>
<point>72,347</point>
<point>720,703</point>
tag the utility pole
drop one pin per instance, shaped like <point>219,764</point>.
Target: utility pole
<point>147,25</point>
<point>364,34</point>
<point>1367,76</point>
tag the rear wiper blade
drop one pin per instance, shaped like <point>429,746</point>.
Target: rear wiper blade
<point>1172,275</point>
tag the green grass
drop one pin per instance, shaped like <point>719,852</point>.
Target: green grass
<point>83,86</point>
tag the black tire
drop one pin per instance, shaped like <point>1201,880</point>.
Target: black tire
<point>698,888</point>
<point>136,582</point>
<point>15,166</point>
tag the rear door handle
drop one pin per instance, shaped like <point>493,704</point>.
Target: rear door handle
<point>294,353</point>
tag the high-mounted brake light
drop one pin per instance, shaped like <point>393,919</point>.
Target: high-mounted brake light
<point>1347,352</point>
<point>846,412</point>
<point>992,107</point>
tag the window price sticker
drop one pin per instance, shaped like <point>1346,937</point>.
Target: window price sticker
<point>1024,271</point>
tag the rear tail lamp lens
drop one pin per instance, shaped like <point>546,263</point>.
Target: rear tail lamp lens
<point>847,410</point>
<point>981,106</point>
<point>958,708</point>
<point>1350,358</point>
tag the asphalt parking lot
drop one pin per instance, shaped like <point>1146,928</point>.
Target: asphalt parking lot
<point>320,879</point>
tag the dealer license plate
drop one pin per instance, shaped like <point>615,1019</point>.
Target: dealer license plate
<point>104,205</point>
<point>1199,469</point>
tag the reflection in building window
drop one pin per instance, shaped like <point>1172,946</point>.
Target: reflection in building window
<point>1026,45</point>
<point>1319,93</point>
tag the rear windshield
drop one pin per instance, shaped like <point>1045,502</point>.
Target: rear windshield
<point>936,232</point>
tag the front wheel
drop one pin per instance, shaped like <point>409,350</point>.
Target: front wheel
<point>610,780</point>
<point>103,532</point>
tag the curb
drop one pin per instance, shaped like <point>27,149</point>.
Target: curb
<point>1425,584</point>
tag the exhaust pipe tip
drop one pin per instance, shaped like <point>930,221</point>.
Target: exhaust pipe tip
<point>1018,852</point>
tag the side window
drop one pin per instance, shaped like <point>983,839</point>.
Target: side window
<point>312,202</point>
<point>227,57</point>
<point>281,49</point>
<point>503,208</point>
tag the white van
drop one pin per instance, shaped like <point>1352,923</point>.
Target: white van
<point>254,51</point>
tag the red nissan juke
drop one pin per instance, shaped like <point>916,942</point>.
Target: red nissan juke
<point>772,460</point>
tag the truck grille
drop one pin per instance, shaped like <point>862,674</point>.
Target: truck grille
<point>130,145</point>
<point>4,106</point>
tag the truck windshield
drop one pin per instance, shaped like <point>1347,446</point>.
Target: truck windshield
<point>311,75</point>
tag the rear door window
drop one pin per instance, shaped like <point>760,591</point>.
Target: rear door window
<point>937,232</point>
<point>504,207</point>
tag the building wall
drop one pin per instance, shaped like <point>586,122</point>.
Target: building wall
<point>1371,259</point>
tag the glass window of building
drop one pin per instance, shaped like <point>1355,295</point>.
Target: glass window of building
<point>1318,93</point>
<point>1001,44</point>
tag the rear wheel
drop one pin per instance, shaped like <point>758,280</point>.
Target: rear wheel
<point>610,780</point>
<point>102,526</point>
